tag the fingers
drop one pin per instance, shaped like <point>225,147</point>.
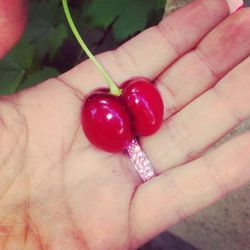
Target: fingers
<point>155,49</point>
<point>203,122</point>
<point>13,14</point>
<point>221,50</point>
<point>182,191</point>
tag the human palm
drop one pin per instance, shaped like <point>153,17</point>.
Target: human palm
<point>60,192</point>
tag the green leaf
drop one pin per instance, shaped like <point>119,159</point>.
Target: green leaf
<point>160,4</point>
<point>14,66</point>
<point>128,16</point>
<point>10,79</point>
<point>133,18</point>
<point>47,29</point>
<point>46,19</point>
<point>103,12</point>
<point>56,37</point>
<point>22,55</point>
<point>37,77</point>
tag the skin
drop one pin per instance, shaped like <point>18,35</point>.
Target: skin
<point>59,192</point>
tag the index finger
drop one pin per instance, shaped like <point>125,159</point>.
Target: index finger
<point>149,53</point>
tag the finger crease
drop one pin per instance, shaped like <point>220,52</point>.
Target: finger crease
<point>202,59</point>
<point>135,69</point>
<point>170,104</point>
<point>166,32</point>
<point>217,181</point>
<point>182,214</point>
<point>228,105</point>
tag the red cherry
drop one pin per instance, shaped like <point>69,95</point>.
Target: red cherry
<point>145,104</point>
<point>106,122</point>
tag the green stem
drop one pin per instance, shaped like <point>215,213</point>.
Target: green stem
<point>114,90</point>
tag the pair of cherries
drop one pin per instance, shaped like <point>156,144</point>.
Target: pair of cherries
<point>112,122</point>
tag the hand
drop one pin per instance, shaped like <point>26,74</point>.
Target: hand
<point>60,192</point>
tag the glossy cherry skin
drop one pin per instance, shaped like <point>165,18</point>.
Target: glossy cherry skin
<point>145,104</point>
<point>106,122</point>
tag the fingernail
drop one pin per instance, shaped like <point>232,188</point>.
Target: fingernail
<point>235,5</point>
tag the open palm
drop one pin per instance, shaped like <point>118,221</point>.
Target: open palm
<point>60,192</point>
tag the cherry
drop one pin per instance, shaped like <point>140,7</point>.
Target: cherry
<point>145,104</point>
<point>112,120</point>
<point>106,122</point>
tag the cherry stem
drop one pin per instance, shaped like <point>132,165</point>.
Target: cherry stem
<point>114,90</point>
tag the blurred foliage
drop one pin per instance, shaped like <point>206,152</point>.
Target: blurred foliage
<point>49,48</point>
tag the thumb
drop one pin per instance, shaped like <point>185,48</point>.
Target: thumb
<point>13,16</point>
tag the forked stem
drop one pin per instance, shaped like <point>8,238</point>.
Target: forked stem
<point>114,90</point>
